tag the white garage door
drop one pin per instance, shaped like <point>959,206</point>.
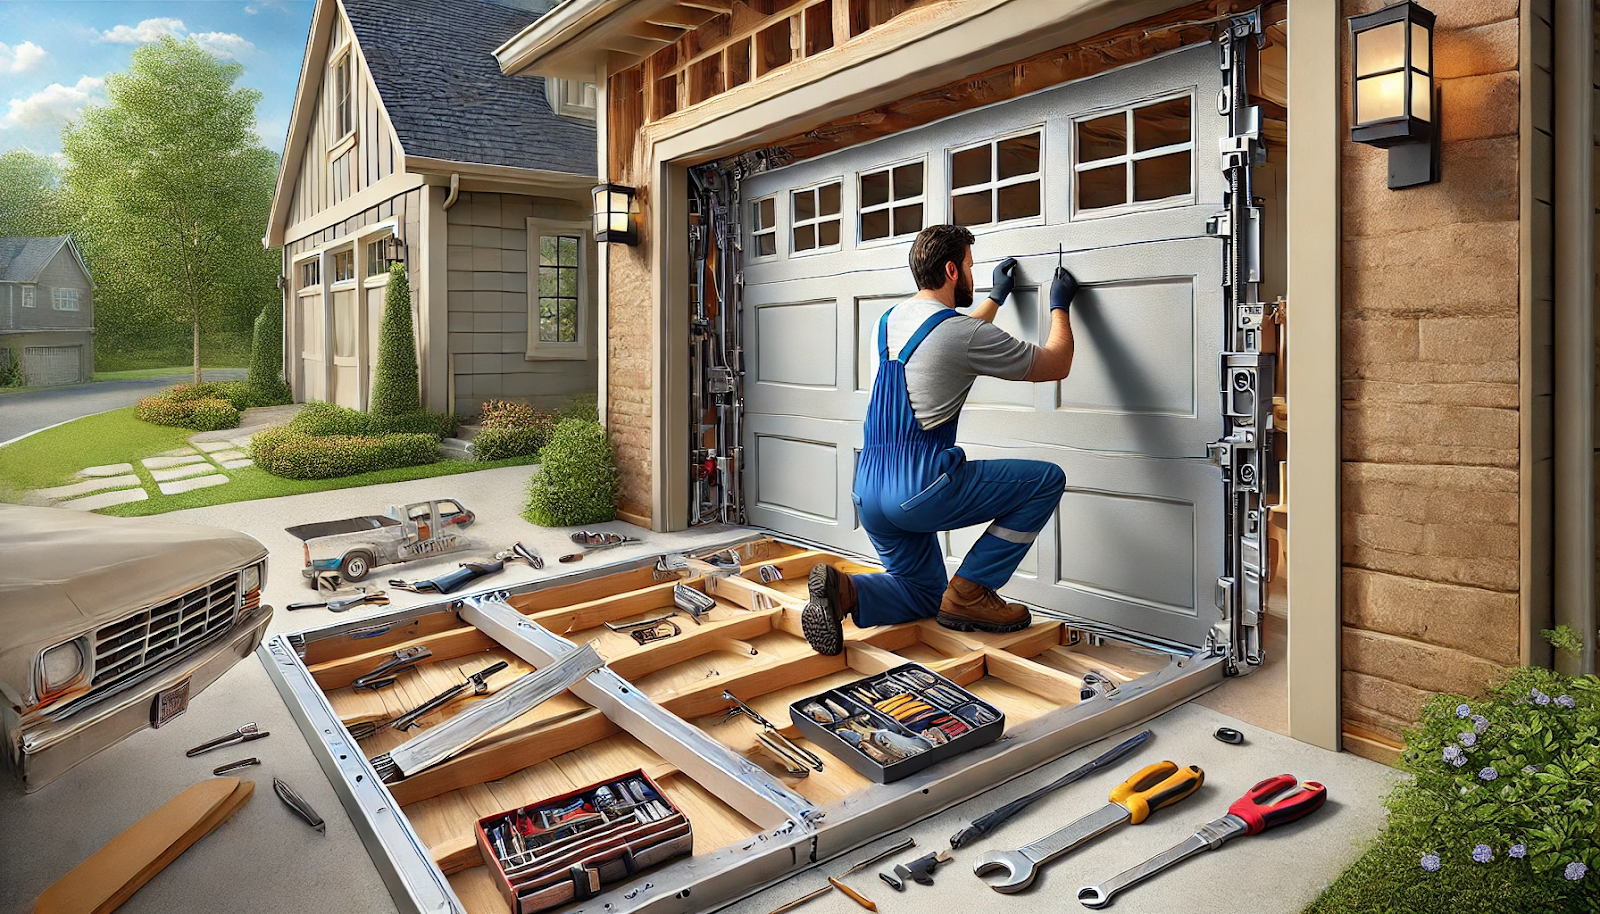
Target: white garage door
<point>47,365</point>
<point>1119,171</point>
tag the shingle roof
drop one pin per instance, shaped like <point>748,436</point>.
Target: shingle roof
<point>21,259</point>
<point>435,71</point>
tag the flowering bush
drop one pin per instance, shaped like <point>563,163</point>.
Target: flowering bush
<point>203,414</point>
<point>511,429</point>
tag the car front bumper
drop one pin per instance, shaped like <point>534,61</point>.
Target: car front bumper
<point>42,750</point>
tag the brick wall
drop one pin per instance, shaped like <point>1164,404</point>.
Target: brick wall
<point>1430,364</point>
<point>630,357</point>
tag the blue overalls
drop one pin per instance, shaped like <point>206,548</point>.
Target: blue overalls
<point>911,484</point>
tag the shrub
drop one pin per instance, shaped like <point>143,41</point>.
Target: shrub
<point>203,414</point>
<point>396,389</point>
<point>11,369</point>
<point>265,381</point>
<point>293,454</point>
<point>317,418</point>
<point>511,429</point>
<point>577,483</point>
<point>582,406</point>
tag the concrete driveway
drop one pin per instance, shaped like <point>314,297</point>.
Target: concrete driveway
<point>30,410</point>
<point>265,861</point>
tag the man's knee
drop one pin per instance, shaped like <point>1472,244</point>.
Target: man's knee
<point>1055,478</point>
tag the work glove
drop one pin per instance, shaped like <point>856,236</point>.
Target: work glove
<point>1003,280</point>
<point>1062,289</point>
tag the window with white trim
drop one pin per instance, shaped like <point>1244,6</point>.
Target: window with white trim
<point>571,97</point>
<point>997,181</point>
<point>1135,156</point>
<point>559,293</point>
<point>889,201</point>
<point>310,273</point>
<point>27,296</point>
<point>381,254</point>
<point>343,107</point>
<point>764,227</point>
<point>815,214</point>
<point>344,265</point>
<point>64,299</point>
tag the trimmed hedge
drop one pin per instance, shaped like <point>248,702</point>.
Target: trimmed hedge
<point>293,454</point>
<point>511,429</point>
<point>265,381</point>
<point>201,413</point>
<point>582,406</point>
<point>316,418</point>
<point>396,390</point>
<point>578,480</point>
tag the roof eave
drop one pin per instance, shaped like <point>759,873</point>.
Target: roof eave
<point>537,48</point>
<point>533,177</point>
<point>299,123</point>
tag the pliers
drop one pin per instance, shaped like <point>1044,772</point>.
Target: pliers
<point>362,597</point>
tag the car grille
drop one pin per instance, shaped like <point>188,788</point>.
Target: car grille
<point>126,648</point>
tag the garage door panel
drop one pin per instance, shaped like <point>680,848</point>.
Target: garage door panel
<point>46,366</point>
<point>800,470</point>
<point>1133,349</point>
<point>797,475</point>
<point>1099,530</point>
<point>956,544</point>
<point>782,357</point>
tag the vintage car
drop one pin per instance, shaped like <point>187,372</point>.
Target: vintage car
<point>109,625</point>
<point>353,546</point>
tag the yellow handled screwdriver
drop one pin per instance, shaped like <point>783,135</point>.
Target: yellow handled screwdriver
<point>1151,788</point>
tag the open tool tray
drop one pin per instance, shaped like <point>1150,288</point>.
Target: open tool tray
<point>573,846</point>
<point>984,722</point>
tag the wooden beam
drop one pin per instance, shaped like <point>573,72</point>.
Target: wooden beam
<point>1035,639</point>
<point>1033,678</point>
<point>694,642</point>
<point>657,33</point>
<point>716,7</point>
<point>580,616</point>
<point>681,17</point>
<point>336,674</point>
<point>565,595</point>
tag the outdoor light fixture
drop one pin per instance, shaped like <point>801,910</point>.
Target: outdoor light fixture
<point>1394,102</point>
<point>613,214</point>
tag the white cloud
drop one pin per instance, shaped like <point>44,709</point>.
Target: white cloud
<point>225,45</point>
<point>262,5</point>
<point>21,58</point>
<point>53,105</point>
<point>148,30</point>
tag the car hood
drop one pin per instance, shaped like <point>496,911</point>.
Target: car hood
<point>64,573</point>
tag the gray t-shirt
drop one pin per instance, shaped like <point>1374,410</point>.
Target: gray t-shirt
<point>958,351</point>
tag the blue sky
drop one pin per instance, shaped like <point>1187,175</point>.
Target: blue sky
<point>54,56</point>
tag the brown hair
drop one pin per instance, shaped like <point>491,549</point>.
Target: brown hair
<point>936,246</point>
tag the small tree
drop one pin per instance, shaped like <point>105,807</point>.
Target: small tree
<point>577,480</point>
<point>266,383</point>
<point>395,388</point>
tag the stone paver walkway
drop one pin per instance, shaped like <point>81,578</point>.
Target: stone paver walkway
<point>106,499</point>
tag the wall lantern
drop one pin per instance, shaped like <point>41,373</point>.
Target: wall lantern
<point>614,214</point>
<point>1394,101</point>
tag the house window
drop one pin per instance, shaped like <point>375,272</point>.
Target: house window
<point>1137,155</point>
<point>764,226</point>
<point>64,299</point>
<point>341,90</point>
<point>560,293</point>
<point>997,181</point>
<point>816,218</point>
<point>571,97</point>
<point>27,296</point>
<point>344,265</point>
<point>310,273</point>
<point>890,201</point>
<point>558,288</point>
<point>381,254</point>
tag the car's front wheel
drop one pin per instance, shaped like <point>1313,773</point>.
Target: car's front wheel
<point>355,566</point>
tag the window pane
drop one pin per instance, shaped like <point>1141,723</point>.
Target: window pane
<point>805,204</point>
<point>547,250</point>
<point>567,282</point>
<point>828,205</point>
<point>970,167</point>
<point>1380,98</point>
<point>875,225</point>
<point>908,181</point>
<point>547,328</point>
<point>1419,48</point>
<point>568,249</point>
<point>1018,156</point>
<point>1103,137</point>
<point>970,209</point>
<point>1162,124</point>
<point>1382,48</point>
<point>766,212</point>
<point>547,280</point>
<point>1019,201</point>
<point>1103,186</point>
<point>1420,107</point>
<point>875,188</point>
<point>908,219</point>
<point>805,238</point>
<point>1162,176</point>
<point>828,233</point>
<point>567,325</point>
<point>766,245</point>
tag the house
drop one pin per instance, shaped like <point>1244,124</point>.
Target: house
<point>407,144</point>
<point>1401,378</point>
<point>46,310</point>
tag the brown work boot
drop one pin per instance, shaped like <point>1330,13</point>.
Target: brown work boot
<point>832,597</point>
<point>972,607</point>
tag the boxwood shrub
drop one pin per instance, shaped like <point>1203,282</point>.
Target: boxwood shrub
<point>293,454</point>
<point>577,482</point>
<point>265,381</point>
<point>511,429</point>
<point>203,414</point>
<point>316,418</point>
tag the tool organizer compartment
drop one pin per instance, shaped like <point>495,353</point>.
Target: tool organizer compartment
<point>749,644</point>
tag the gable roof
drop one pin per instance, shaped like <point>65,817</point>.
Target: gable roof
<point>434,66</point>
<point>22,259</point>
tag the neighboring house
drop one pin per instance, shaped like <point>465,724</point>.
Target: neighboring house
<point>46,310</point>
<point>1438,466</point>
<point>407,144</point>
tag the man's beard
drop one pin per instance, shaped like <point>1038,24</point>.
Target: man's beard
<point>964,293</point>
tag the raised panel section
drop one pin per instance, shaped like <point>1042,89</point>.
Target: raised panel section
<point>797,476</point>
<point>868,313</point>
<point>1134,348</point>
<point>796,344</point>
<point>1132,548</point>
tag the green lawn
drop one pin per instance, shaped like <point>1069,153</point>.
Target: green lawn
<point>136,374</point>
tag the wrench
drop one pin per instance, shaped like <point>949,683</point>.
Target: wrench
<point>1249,815</point>
<point>1132,801</point>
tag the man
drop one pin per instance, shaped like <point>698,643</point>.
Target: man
<point>912,480</point>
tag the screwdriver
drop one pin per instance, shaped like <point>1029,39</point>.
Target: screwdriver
<point>834,883</point>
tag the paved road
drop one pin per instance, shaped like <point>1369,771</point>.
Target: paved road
<point>31,410</point>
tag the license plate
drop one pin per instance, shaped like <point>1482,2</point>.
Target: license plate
<point>169,703</point>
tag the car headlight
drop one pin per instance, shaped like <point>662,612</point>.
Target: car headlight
<point>250,579</point>
<point>60,665</point>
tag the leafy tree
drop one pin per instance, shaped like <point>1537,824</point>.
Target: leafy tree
<point>395,388</point>
<point>173,189</point>
<point>30,195</point>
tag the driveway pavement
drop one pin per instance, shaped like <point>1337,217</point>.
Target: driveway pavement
<point>30,410</point>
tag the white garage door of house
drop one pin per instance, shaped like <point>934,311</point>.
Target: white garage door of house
<point>1120,171</point>
<point>47,365</point>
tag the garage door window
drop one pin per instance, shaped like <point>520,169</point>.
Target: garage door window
<point>997,181</point>
<point>816,218</point>
<point>64,299</point>
<point>764,227</point>
<point>1135,156</point>
<point>890,201</point>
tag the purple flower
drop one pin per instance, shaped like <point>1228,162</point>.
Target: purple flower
<point>1459,760</point>
<point>1488,774</point>
<point>1467,738</point>
<point>1517,851</point>
<point>1566,701</point>
<point>1530,769</point>
<point>1430,862</point>
<point>1479,723</point>
<point>1574,870</point>
<point>1451,753</point>
<point>1539,698</point>
<point>1482,853</point>
<point>1462,711</point>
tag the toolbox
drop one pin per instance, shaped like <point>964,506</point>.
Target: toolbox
<point>574,846</point>
<point>927,719</point>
